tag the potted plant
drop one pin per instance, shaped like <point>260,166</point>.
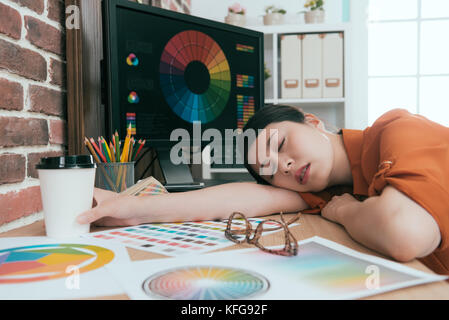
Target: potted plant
<point>315,12</point>
<point>236,15</point>
<point>273,15</point>
<point>266,72</point>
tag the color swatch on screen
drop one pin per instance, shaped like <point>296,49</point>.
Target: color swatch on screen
<point>195,76</point>
<point>133,97</point>
<point>45,262</point>
<point>245,81</point>
<point>245,109</point>
<point>132,60</point>
<point>244,48</point>
<point>205,283</point>
<point>131,120</point>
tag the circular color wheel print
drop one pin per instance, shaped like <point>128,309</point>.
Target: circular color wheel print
<point>49,261</point>
<point>195,76</point>
<point>205,283</point>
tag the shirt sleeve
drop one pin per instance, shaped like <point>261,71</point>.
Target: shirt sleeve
<point>414,158</point>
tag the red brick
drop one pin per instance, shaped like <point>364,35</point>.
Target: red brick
<point>34,158</point>
<point>12,168</point>
<point>35,5</point>
<point>23,132</point>
<point>22,61</point>
<point>11,94</point>
<point>19,204</point>
<point>47,101</point>
<point>56,10</point>
<point>58,132</point>
<point>57,73</point>
<point>10,22</point>
<point>44,36</point>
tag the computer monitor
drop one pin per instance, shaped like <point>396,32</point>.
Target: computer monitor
<point>166,70</point>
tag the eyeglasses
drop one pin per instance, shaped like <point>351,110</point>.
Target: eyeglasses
<point>234,233</point>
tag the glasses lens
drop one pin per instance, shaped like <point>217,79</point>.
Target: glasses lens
<point>282,235</point>
<point>237,228</point>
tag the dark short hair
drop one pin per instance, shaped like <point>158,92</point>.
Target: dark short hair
<point>261,119</point>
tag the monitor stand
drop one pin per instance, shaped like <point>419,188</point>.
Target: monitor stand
<point>177,177</point>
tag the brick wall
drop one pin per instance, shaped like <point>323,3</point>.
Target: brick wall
<point>33,99</point>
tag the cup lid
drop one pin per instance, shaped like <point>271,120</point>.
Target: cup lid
<point>67,162</point>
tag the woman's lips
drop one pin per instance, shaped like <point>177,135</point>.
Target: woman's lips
<point>306,174</point>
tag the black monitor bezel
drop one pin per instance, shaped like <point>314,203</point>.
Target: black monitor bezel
<point>110,55</point>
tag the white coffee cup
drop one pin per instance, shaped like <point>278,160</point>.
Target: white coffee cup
<point>67,186</point>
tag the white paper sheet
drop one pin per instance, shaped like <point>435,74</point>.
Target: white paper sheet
<point>52,269</point>
<point>322,270</point>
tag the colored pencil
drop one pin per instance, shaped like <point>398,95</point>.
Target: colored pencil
<point>91,150</point>
<point>124,156</point>
<point>105,148</point>
<point>140,148</point>
<point>133,156</point>
<point>92,141</point>
<point>131,148</point>
<point>102,169</point>
<point>112,148</point>
<point>100,146</point>
<point>117,147</point>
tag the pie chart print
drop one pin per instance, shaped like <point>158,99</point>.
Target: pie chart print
<point>195,76</point>
<point>205,283</point>
<point>49,261</point>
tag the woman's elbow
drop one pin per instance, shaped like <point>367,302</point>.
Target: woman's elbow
<point>411,231</point>
<point>411,239</point>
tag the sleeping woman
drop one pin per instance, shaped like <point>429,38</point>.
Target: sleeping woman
<point>387,185</point>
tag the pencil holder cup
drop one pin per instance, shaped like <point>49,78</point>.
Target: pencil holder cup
<point>114,176</point>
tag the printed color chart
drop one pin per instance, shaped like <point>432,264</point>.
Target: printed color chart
<point>322,270</point>
<point>49,261</point>
<point>205,283</point>
<point>174,239</point>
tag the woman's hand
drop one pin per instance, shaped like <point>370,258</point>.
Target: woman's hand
<point>336,208</point>
<point>111,209</point>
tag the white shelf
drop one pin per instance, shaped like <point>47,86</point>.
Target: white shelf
<point>294,28</point>
<point>301,101</point>
<point>332,110</point>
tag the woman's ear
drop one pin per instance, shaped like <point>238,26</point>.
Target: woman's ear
<point>313,120</point>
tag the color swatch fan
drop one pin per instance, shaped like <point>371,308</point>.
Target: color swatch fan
<point>195,76</point>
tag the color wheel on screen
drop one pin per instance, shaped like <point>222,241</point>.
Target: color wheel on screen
<point>195,76</point>
<point>49,261</point>
<point>205,283</point>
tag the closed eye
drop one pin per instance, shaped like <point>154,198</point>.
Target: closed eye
<point>282,143</point>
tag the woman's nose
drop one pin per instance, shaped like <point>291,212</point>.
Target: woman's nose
<point>287,166</point>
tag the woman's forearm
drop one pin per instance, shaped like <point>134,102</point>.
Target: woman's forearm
<point>219,202</point>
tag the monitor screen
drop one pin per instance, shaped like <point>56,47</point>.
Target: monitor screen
<point>167,70</point>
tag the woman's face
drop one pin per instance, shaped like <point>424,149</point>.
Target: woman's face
<point>295,156</point>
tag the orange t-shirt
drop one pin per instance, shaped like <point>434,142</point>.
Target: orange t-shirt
<point>408,152</point>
